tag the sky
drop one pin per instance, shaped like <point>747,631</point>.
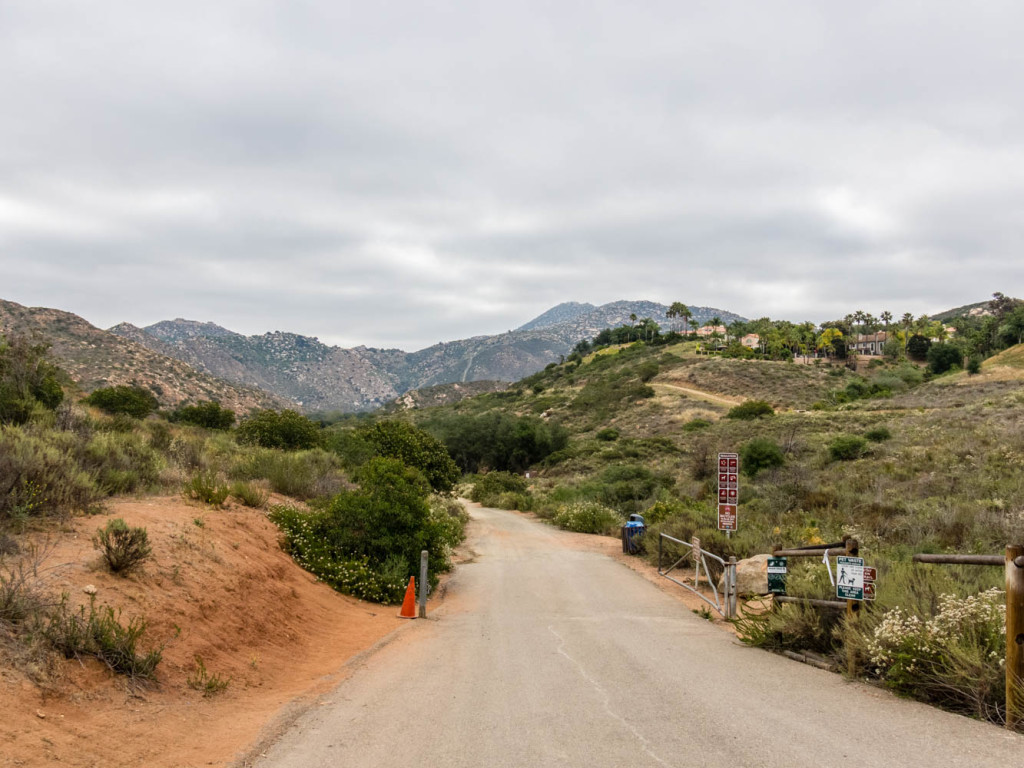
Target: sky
<point>398,174</point>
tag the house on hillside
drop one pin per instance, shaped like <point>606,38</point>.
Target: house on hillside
<point>751,340</point>
<point>869,343</point>
<point>709,330</point>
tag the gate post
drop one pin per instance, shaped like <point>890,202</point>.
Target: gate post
<point>730,597</point>
<point>852,609</point>
<point>1014,637</point>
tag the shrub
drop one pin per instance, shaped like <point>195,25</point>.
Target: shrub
<point>647,371</point>
<point>974,366</point>
<point>249,495</point>
<point>121,462</point>
<point>100,633</point>
<point>951,659</point>
<point>205,487</point>
<point>28,381</point>
<point>132,401</point>
<point>624,486</point>
<point>488,488</point>
<point>752,409</point>
<point>878,434</point>
<point>694,425</point>
<point>608,434</point>
<point>201,680</point>
<point>301,474</point>
<point>918,346</point>
<point>498,441</point>
<point>367,542</point>
<point>847,447</point>
<point>943,357</point>
<point>287,429</point>
<point>209,415</point>
<point>760,453</point>
<point>415,448</point>
<point>587,517</point>
<point>124,548</point>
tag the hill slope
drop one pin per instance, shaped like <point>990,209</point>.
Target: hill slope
<point>95,358</point>
<point>319,377</point>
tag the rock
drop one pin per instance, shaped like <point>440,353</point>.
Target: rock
<point>89,589</point>
<point>751,576</point>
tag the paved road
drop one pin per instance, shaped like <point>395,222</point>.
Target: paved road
<point>548,656</point>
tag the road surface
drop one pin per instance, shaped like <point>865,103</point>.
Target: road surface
<point>546,655</point>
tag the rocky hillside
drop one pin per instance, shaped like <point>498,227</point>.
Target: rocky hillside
<point>95,358</point>
<point>318,377</point>
<point>443,394</point>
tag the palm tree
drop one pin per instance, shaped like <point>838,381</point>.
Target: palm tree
<point>632,319</point>
<point>678,309</point>
<point>908,321</point>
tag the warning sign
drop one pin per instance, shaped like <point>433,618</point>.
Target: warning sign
<point>870,574</point>
<point>850,578</point>
<point>727,517</point>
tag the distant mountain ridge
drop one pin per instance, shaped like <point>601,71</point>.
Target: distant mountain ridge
<point>318,377</point>
<point>95,358</point>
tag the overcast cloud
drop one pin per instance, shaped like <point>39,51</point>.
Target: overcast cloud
<point>397,174</point>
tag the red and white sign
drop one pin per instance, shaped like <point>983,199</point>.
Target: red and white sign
<point>728,490</point>
<point>727,517</point>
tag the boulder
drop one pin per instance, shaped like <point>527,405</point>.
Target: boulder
<point>751,576</point>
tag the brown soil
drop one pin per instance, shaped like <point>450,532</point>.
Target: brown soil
<point>218,586</point>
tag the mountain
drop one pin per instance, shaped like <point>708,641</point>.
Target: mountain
<point>565,312</point>
<point>319,377</point>
<point>95,358</point>
<point>968,310</point>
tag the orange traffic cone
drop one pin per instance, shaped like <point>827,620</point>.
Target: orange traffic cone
<point>409,603</point>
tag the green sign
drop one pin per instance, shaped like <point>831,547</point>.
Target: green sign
<point>850,578</point>
<point>777,575</point>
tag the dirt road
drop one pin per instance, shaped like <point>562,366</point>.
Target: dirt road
<point>546,655</point>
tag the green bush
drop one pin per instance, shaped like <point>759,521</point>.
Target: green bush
<point>974,366</point>
<point>415,448</point>
<point>760,453</point>
<point>287,430</point>
<point>367,542</point>
<point>751,409</point>
<point>300,474</point>
<point>121,462</point>
<point>40,474</point>
<point>942,357</point>
<point>137,402</point>
<point>588,517</point>
<point>201,680</point>
<point>878,434</point>
<point>693,425</point>
<point>847,447</point>
<point>28,381</point>
<point>608,434</point>
<point>208,414</point>
<point>123,548</point>
<point>489,487</point>
<point>204,486</point>
<point>100,633</point>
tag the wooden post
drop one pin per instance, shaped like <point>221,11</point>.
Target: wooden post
<point>423,584</point>
<point>1014,637</point>
<point>852,608</point>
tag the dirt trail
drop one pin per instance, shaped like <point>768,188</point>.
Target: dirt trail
<point>220,587</point>
<point>700,394</point>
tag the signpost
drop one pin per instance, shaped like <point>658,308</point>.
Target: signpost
<point>850,578</point>
<point>777,575</point>
<point>728,490</point>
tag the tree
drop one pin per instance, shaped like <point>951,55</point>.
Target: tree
<point>942,357</point>
<point>207,414</point>
<point>678,309</point>
<point>917,347</point>
<point>415,448</point>
<point>829,339</point>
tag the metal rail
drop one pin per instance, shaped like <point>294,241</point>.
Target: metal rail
<point>726,606</point>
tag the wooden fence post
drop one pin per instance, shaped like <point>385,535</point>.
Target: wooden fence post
<point>1014,637</point>
<point>424,584</point>
<point>852,609</point>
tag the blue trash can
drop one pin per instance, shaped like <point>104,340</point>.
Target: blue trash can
<point>633,534</point>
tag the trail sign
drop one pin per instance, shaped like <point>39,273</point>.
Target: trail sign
<point>727,517</point>
<point>870,574</point>
<point>728,490</point>
<point>850,578</point>
<point>777,575</point>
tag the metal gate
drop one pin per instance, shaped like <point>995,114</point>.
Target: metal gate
<point>724,602</point>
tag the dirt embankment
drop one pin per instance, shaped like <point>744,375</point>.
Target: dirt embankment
<point>218,587</point>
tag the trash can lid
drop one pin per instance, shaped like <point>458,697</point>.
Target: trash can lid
<point>635,518</point>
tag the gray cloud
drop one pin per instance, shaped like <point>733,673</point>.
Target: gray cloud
<point>396,175</point>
